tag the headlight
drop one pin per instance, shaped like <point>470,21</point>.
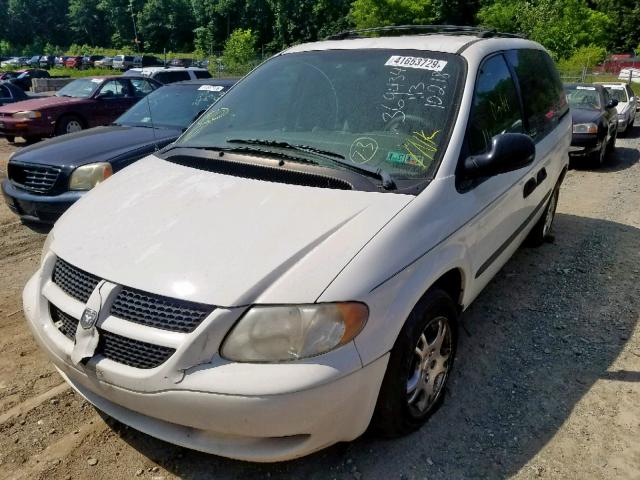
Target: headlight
<point>585,128</point>
<point>88,176</point>
<point>27,114</point>
<point>293,332</point>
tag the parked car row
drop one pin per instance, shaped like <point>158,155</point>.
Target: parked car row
<point>601,112</point>
<point>84,158</point>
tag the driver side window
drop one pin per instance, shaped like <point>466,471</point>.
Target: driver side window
<point>112,89</point>
<point>496,107</point>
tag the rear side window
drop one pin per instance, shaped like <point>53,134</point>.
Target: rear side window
<point>4,92</point>
<point>177,76</point>
<point>542,91</point>
<point>496,108</point>
<point>202,74</point>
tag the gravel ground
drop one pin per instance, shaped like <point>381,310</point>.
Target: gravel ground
<point>546,383</point>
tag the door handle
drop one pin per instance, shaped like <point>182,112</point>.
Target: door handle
<point>542,175</point>
<point>529,187</point>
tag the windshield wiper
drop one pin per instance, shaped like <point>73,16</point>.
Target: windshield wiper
<point>287,145</point>
<point>387,180</point>
<point>254,150</point>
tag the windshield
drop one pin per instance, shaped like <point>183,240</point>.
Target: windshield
<point>386,109</point>
<point>81,88</point>
<point>618,93</point>
<point>172,106</point>
<point>583,97</point>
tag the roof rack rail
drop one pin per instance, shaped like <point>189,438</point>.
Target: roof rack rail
<point>424,30</point>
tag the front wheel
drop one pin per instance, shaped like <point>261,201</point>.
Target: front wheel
<point>419,367</point>
<point>542,230</point>
<point>68,124</point>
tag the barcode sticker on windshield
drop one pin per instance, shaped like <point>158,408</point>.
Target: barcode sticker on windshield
<point>416,62</point>
<point>585,88</point>
<point>96,80</point>
<point>211,88</point>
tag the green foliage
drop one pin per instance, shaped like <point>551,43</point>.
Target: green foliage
<point>562,26</point>
<point>73,73</point>
<point>239,51</point>
<point>565,27</point>
<point>166,24</point>
<point>583,58</point>
<point>376,13</point>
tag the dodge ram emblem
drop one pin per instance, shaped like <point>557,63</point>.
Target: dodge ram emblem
<point>88,318</point>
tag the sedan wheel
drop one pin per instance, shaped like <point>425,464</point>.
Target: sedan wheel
<point>68,124</point>
<point>73,126</point>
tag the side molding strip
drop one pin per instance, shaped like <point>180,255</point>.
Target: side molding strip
<point>513,236</point>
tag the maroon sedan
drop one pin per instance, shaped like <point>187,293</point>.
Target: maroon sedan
<point>83,103</point>
<point>73,62</point>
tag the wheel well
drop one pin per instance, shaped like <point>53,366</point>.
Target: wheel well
<point>65,115</point>
<point>451,283</point>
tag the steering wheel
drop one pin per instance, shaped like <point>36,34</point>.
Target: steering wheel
<point>394,124</point>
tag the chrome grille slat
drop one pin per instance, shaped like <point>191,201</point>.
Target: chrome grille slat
<point>73,281</point>
<point>35,178</point>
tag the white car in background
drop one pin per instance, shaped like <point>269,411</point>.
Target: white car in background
<point>292,269</point>
<point>170,74</point>
<point>627,104</point>
<point>630,75</point>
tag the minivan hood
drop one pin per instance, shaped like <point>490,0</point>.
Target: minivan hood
<point>211,238</point>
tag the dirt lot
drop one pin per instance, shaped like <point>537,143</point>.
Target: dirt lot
<point>546,384</point>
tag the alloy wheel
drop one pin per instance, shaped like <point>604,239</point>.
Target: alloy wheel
<point>429,366</point>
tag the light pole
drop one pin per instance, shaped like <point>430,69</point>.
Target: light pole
<point>135,31</point>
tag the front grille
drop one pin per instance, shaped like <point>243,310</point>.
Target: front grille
<point>73,281</point>
<point>35,178</point>
<point>133,353</point>
<point>159,312</point>
<point>65,323</point>
<point>117,348</point>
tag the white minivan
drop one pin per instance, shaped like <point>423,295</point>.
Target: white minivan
<point>292,269</point>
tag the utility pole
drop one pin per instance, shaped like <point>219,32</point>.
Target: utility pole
<point>135,31</point>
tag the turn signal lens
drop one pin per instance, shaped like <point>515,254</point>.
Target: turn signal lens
<point>293,332</point>
<point>88,176</point>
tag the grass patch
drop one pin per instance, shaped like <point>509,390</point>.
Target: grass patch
<point>90,72</point>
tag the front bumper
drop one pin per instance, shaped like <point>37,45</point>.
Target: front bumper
<point>10,127</point>
<point>255,412</point>
<point>583,145</point>
<point>37,209</point>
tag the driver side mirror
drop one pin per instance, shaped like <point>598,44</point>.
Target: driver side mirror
<point>509,151</point>
<point>613,103</point>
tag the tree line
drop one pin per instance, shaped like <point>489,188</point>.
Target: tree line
<point>566,27</point>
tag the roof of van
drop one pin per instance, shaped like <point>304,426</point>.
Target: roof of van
<point>446,43</point>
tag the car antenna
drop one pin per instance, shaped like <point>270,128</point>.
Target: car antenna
<point>153,127</point>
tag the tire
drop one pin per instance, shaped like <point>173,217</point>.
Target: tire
<point>68,124</point>
<point>541,231</point>
<point>611,146</point>
<point>403,405</point>
<point>597,158</point>
<point>31,140</point>
<point>10,138</point>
